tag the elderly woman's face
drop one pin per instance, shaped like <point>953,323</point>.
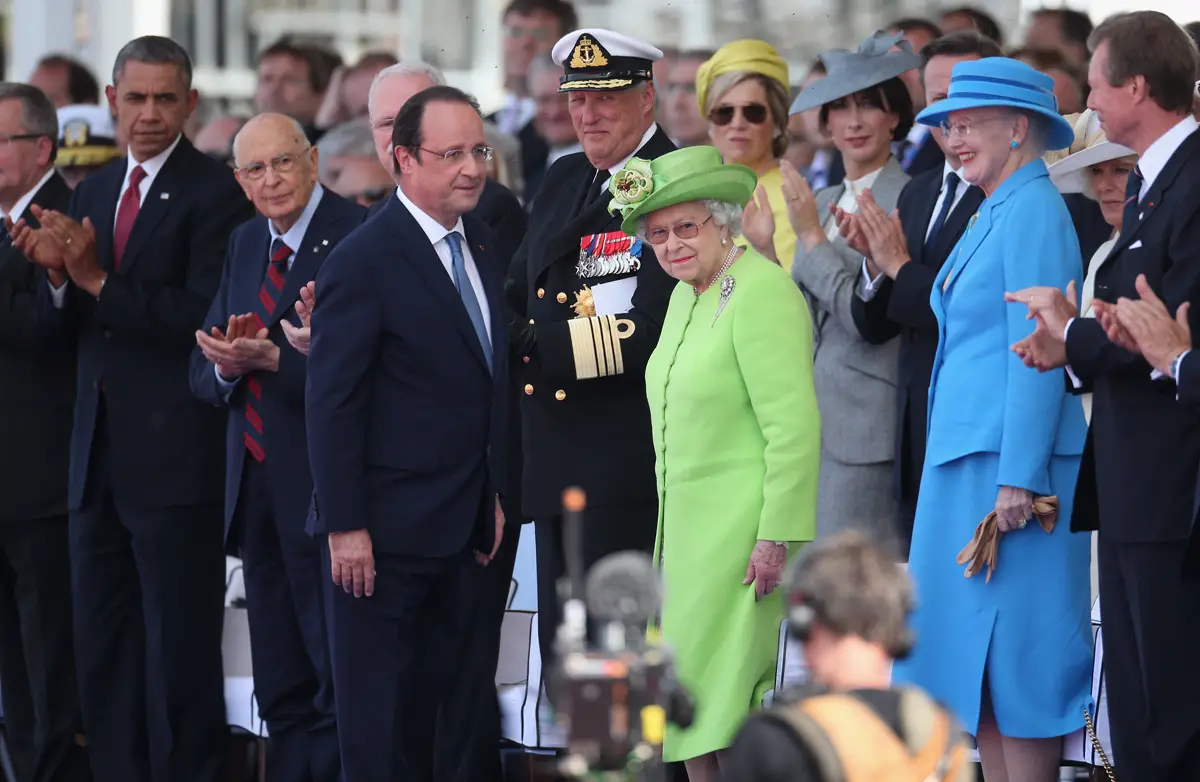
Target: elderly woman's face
<point>686,242</point>
<point>982,139</point>
<point>741,126</point>
<point>1107,182</point>
<point>861,127</point>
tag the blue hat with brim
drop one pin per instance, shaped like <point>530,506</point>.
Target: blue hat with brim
<point>1002,82</point>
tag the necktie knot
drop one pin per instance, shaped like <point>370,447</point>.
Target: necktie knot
<point>951,182</point>
<point>136,176</point>
<point>280,252</point>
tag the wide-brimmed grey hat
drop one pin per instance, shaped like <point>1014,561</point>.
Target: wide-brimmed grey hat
<point>880,57</point>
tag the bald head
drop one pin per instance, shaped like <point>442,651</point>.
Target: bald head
<point>276,167</point>
<point>269,127</point>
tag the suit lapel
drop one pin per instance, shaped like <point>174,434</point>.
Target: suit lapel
<point>107,217</point>
<point>970,242</point>
<point>1157,191</point>
<point>251,271</point>
<point>154,207</point>
<point>490,272</point>
<point>956,223</point>
<point>313,249</point>
<point>428,268</point>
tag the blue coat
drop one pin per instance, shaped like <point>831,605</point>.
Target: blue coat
<point>993,422</point>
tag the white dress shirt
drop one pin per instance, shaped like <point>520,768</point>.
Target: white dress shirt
<point>437,234</point>
<point>152,167</point>
<point>1151,165</point>
<point>869,287</point>
<point>292,238</point>
<point>23,202</point>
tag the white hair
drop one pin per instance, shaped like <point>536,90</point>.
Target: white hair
<point>407,68</point>
<point>251,123</point>
<point>349,139</point>
<point>724,215</point>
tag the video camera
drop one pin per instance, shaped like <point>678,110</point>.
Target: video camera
<point>614,701</point>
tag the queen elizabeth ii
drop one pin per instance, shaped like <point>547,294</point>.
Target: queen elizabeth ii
<point>736,433</point>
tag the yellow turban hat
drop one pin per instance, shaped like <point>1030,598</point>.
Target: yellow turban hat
<point>745,55</point>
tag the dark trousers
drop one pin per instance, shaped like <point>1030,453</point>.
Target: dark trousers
<point>293,681</point>
<point>148,586</point>
<point>605,531</point>
<point>37,661</point>
<point>393,661</point>
<point>469,724</point>
<point>1151,633</point>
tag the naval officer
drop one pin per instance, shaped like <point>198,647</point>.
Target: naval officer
<point>590,302</point>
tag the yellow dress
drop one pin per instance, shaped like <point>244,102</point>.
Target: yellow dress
<point>785,237</point>
<point>737,439</point>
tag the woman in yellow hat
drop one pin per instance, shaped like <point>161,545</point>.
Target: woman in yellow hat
<point>737,438</point>
<point>743,93</point>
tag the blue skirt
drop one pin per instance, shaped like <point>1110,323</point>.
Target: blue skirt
<point>1028,629</point>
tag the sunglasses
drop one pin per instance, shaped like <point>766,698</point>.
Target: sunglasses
<point>755,114</point>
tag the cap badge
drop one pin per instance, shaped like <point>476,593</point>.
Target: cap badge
<point>587,54</point>
<point>75,134</point>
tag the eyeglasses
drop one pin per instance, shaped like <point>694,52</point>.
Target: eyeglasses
<point>755,114</point>
<point>684,230</point>
<point>964,128</point>
<point>6,140</point>
<point>482,154</point>
<point>280,164</point>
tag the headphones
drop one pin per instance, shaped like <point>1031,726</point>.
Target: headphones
<point>804,612</point>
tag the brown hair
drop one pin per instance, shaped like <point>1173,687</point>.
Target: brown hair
<point>1168,66</point>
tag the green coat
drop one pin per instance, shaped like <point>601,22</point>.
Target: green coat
<point>737,438</point>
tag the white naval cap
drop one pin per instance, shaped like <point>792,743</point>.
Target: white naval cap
<point>598,59</point>
<point>86,136</point>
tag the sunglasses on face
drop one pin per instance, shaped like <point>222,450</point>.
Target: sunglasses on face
<point>755,114</point>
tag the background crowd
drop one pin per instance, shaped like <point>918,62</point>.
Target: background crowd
<point>191,372</point>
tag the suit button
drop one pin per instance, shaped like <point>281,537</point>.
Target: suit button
<point>525,359</point>
<point>541,293</point>
<point>560,395</point>
<point>561,298</point>
<point>531,321</point>
<point>528,389</point>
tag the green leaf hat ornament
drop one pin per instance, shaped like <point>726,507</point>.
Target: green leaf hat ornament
<point>682,176</point>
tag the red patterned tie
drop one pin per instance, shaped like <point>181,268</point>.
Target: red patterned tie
<point>127,211</point>
<point>268,294</point>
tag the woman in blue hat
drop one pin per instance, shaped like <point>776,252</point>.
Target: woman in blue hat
<point>1010,653</point>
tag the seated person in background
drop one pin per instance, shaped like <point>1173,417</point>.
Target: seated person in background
<point>848,605</point>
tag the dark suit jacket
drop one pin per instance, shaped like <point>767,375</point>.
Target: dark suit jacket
<point>534,152</point>
<point>901,307</point>
<point>403,415</point>
<point>282,403</point>
<point>1138,475</point>
<point>137,337</point>
<point>1090,226</point>
<point>37,395</point>
<point>928,158</point>
<point>502,212</point>
<point>597,435</point>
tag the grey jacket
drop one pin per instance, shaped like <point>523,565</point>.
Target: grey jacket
<point>855,381</point>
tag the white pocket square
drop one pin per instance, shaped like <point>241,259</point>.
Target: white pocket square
<point>1136,245</point>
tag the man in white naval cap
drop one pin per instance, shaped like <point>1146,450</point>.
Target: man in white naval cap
<point>87,141</point>
<point>585,420</point>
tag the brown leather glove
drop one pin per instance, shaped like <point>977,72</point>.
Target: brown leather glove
<point>984,547</point>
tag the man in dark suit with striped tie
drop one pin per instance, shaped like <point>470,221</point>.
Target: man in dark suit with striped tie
<point>132,271</point>
<point>243,362</point>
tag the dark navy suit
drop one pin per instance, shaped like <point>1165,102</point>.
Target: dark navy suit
<point>148,572</point>
<point>266,502</point>
<point>406,439</point>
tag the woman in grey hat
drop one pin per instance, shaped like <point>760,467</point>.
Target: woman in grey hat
<point>864,108</point>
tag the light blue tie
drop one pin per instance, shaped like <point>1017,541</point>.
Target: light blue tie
<point>467,294</point>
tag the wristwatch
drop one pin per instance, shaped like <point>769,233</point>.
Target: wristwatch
<point>780,543</point>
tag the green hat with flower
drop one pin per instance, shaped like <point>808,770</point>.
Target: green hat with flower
<point>688,174</point>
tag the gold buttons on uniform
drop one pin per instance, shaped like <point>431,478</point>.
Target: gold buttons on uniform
<point>561,298</point>
<point>541,293</point>
<point>531,321</point>
<point>560,395</point>
<point>529,389</point>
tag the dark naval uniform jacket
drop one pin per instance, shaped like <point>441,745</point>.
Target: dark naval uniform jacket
<point>585,418</point>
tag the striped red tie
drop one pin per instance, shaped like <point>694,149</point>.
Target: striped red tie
<point>268,294</point>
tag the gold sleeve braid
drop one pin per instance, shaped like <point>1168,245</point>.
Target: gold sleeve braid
<point>596,344</point>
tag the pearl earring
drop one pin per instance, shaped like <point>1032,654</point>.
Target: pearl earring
<point>1015,144</point>
<point>724,241</point>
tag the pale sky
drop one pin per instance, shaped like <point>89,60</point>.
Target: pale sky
<point>1182,11</point>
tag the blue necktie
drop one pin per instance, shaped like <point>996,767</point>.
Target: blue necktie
<point>1133,197</point>
<point>467,294</point>
<point>947,205</point>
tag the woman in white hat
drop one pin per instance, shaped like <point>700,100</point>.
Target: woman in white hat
<point>1098,168</point>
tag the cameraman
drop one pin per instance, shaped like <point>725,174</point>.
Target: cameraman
<point>848,605</point>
